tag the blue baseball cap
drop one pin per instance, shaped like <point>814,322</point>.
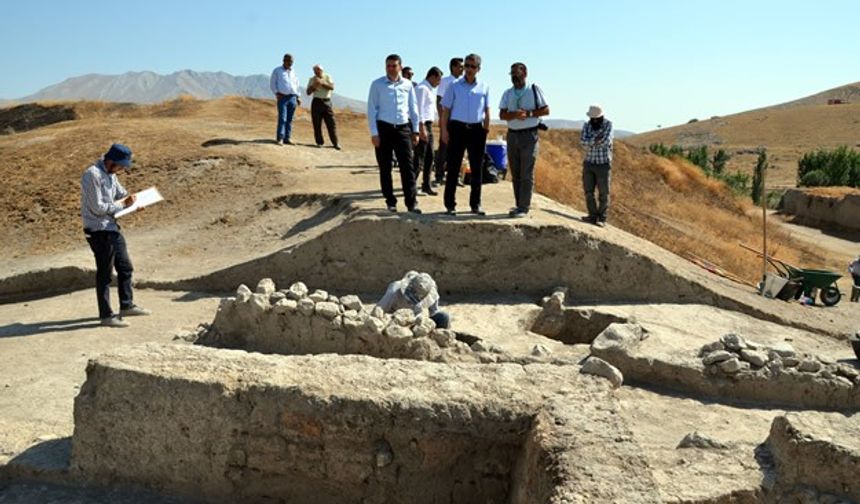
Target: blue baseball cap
<point>119,154</point>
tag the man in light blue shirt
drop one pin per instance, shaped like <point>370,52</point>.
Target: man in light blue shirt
<point>392,116</point>
<point>465,122</point>
<point>285,85</point>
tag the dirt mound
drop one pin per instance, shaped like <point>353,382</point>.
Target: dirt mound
<point>33,115</point>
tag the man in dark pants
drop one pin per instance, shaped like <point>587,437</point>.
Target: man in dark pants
<point>425,93</point>
<point>521,107</point>
<point>597,138</point>
<point>321,86</point>
<point>456,68</point>
<point>392,116</point>
<point>101,197</point>
<point>285,85</point>
<point>464,124</point>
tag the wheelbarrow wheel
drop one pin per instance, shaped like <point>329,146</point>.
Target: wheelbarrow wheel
<point>830,295</point>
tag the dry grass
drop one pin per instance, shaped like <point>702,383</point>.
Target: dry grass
<point>787,132</point>
<point>673,204</point>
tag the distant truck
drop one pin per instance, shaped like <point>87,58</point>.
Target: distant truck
<point>836,101</point>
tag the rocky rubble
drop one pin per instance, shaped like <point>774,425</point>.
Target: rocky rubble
<point>732,355</point>
<point>297,320</point>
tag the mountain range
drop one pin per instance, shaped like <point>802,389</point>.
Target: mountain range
<point>150,87</point>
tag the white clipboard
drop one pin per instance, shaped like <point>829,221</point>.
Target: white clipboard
<point>142,199</point>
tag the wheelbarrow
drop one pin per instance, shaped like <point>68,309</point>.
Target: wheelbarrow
<point>811,279</point>
<point>807,280</point>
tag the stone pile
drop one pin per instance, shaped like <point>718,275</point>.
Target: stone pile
<point>300,321</point>
<point>732,355</point>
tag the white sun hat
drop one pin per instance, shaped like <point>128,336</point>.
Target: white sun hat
<point>595,111</point>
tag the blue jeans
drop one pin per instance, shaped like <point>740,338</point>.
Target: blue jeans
<point>286,109</point>
<point>110,252</point>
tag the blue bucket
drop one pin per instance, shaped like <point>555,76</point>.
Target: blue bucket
<point>498,151</point>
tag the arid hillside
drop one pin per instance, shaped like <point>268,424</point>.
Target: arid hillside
<point>787,131</point>
<point>669,203</point>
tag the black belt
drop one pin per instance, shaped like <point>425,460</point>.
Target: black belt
<point>397,126</point>
<point>428,123</point>
<point>469,125</point>
<point>524,130</point>
<point>322,99</point>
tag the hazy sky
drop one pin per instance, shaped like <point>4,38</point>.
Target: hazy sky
<point>648,62</point>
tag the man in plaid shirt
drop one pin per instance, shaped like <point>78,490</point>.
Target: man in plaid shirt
<point>596,138</point>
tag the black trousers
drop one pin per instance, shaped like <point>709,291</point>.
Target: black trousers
<point>464,137</point>
<point>424,155</point>
<point>110,252</point>
<point>321,111</point>
<point>399,140</point>
<point>441,161</point>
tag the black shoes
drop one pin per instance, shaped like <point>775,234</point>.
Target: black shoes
<point>429,191</point>
<point>450,211</point>
<point>392,208</point>
<point>518,213</point>
<point>478,210</point>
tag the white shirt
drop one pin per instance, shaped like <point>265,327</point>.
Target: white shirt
<point>443,86</point>
<point>515,99</point>
<point>284,81</point>
<point>426,95</point>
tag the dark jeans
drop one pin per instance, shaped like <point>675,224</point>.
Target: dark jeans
<point>522,154</point>
<point>442,319</point>
<point>599,176</point>
<point>286,109</point>
<point>399,140</point>
<point>424,153</point>
<point>110,252</point>
<point>321,111</point>
<point>464,137</point>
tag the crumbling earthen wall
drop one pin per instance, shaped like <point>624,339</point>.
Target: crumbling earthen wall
<point>814,454</point>
<point>230,426</point>
<point>842,211</point>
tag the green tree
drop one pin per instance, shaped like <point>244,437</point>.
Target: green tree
<point>718,162</point>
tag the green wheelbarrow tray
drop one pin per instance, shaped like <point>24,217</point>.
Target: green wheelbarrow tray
<point>811,279</point>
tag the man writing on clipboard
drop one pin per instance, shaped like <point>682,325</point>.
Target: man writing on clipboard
<point>102,196</point>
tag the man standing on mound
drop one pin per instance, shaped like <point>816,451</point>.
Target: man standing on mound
<point>285,85</point>
<point>101,197</point>
<point>597,138</point>
<point>392,115</point>
<point>464,125</point>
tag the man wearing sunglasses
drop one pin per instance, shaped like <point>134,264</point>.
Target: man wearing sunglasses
<point>464,124</point>
<point>392,115</point>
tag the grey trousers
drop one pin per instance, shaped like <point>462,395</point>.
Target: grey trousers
<point>522,154</point>
<point>599,176</point>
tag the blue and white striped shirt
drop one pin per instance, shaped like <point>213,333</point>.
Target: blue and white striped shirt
<point>597,143</point>
<point>467,102</point>
<point>393,102</point>
<point>100,191</point>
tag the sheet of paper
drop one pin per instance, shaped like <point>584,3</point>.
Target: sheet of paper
<point>143,199</point>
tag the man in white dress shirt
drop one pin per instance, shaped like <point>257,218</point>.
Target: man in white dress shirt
<point>285,85</point>
<point>456,68</point>
<point>425,93</point>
